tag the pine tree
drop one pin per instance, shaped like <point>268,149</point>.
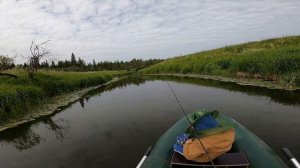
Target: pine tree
<point>52,64</point>
<point>94,63</point>
<point>73,60</point>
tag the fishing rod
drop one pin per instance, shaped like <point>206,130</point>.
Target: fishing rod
<point>191,124</point>
<point>291,157</point>
<point>144,157</point>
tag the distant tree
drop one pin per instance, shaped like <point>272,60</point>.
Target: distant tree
<point>45,64</point>
<point>38,51</point>
<point>60,64</point>
<point>52,64</point>
<point>73,60</point>
<point>94,63</point>
<point>67,64</point>
<point>6,63</point>
<point>81,62</point>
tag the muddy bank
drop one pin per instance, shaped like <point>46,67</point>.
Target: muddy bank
<point>240,81</point>
<point>54,105</point>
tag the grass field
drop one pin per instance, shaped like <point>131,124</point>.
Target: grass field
<point>276,60</point>
<point>21,95</point>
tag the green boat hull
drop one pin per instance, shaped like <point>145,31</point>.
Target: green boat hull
<point>257,152</point>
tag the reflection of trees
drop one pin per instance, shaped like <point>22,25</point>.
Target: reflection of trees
<point>24,137</point>
<point>81,101</point>
<point>59,127</point>
<point>118,84</point>
<point>279,96</point>
<point>20,137</point>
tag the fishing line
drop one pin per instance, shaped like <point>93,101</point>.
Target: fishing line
<point>180,104</point>
<point>191,124</point>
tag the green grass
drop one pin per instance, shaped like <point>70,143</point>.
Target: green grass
<point>19,96</point>
<point>272,59</point>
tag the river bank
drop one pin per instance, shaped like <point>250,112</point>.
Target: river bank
<point>240,81</point>
<point>54,105</point>
<point>272,63</point>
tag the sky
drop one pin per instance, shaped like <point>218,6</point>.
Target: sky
<point>127,29</point>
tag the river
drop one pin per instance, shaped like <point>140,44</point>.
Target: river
<point>112,126</point>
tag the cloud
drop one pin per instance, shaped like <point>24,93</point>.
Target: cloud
<point>126,29</point>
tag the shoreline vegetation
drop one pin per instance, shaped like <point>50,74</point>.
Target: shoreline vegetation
<point>272,63</point>
<point>23,99</point>
<point>239,81</point>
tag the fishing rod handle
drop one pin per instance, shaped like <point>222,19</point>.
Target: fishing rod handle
<point>148,151</point>
<point>144,157</point>
<point>291,157</point>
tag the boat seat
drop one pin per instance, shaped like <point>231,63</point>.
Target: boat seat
<point>237,160</point>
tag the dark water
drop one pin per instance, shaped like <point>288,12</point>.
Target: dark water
<point>113,125</point>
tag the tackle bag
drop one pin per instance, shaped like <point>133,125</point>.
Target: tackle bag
<point>208,137</point>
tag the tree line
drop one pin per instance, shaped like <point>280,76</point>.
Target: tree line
<point>39,52</point>
<point>80,65</point>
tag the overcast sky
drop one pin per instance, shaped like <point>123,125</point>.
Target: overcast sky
<point>127,29</point>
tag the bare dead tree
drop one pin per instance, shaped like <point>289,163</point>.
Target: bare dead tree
<point>38,51</point>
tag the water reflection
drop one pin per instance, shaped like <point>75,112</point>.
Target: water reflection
<point>60,127</point>
<point>279,96</point>
<point>24,137</point>
<point>119,84</point>
<point>21,137</point>
<point>81,101</point>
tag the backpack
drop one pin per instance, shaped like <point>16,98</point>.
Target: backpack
<point>209,137</point>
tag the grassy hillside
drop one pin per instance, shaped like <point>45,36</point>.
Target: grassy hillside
<point>21,95</point>
<point>274,59</point>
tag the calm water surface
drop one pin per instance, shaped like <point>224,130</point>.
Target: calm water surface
<point>113,125</point>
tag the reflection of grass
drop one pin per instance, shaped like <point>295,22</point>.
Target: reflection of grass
<point>124,82</point>
<point>20,96</point>
<point>279,96</point>
<point>273,59</point>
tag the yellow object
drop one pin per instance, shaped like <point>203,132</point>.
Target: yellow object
<point>215,145</point>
